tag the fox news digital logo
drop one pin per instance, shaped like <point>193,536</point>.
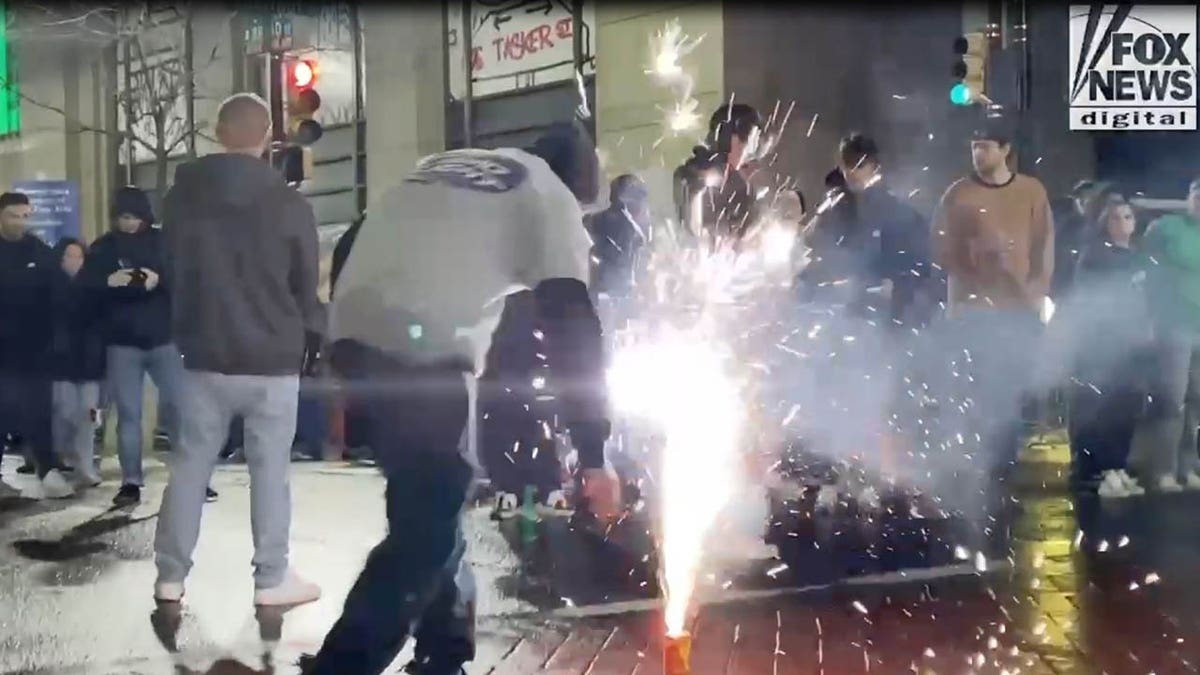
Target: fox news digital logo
<point>1133,67</point>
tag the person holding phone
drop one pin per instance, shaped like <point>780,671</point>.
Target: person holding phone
<point>126,267</point>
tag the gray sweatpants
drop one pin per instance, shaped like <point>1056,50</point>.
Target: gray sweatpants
<point>208,401</point>
<point>1165,443</point>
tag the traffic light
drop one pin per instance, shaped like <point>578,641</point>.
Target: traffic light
<point>970,61</point>
<point>303,101</point>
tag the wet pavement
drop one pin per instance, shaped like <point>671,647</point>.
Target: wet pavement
<point>1073,586</point>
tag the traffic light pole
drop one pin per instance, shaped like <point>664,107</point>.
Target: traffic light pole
<point>274,79</point>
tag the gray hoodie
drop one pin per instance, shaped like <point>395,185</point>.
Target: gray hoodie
<point>242,251</point>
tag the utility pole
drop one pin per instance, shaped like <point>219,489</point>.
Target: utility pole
<point>274,73</point>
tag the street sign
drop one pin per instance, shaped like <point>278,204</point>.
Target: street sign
<point>280,38</point>
<point>55,208</point>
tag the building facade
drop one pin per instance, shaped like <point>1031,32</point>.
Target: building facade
<point>394,87</point>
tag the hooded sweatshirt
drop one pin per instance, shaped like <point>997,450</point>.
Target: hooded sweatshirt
<point>242,251</point>
<point>132,316</point>
<point>26,267</point>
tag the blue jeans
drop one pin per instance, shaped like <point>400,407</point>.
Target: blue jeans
<point>416,575</point>
<point>268,407</point>
<point>127,371</point>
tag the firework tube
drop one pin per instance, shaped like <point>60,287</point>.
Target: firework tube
<point>677,655</point>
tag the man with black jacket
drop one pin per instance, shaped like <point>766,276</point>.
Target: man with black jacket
<point>871,239</point>
<point>26,272</point>
<point>412,316</point>
<point>242,256</point>
<point>126,270</point>
<point>713,198</point>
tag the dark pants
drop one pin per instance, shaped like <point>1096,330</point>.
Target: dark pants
<point>312,419</point>
<point>416,575</point>
<point>25,405</point>
<point>513,442</point>
<point>1101,426</point>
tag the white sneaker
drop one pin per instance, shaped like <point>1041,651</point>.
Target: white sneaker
<point>1112,487</point>
<point>294,590</point>
<point>87,479</point>
<point>507,506</point>
<point>1167,483</point>
<point>1192,481</point>
<point>556,504</point>
<point>168,591</point>
<point>54,486</point>
<point>9,492</point>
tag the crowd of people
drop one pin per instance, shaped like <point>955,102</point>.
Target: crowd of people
<point>219,308</point>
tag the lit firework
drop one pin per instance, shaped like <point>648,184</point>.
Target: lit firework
<point>679,380</point>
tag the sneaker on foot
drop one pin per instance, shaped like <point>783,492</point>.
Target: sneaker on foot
<point>8,492</point>
<point>210,495</point>
<point>128,495</point>
<point>54,486</point>
<point>507,506</point>
<point>168,591</point>
<point>88,479</point>
<point>293,591</point>
<point>1112,486</point>
<point>556,504</point>
<point>1192,480</point>
<point>1168,483</point>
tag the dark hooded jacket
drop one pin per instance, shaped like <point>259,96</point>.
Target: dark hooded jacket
<point>242,253</point>
<point>616,240</point>
<point>132,316</point>
<point>864,239</point>
<point>76,348</point>
<point>26,269</point>
<point>728,209</point>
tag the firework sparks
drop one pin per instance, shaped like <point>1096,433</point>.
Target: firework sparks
<point>667,48</point>
<point>680,381</point>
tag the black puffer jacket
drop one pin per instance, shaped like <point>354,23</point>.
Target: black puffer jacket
<point>132,316</point>
<point>76,343</point>
<point>26,268</point>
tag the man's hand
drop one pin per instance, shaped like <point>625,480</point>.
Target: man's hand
<point>120,279</point>
<point>151,278</point>
<point>601,491</point>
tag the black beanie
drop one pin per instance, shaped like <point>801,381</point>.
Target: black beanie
<point>133,201</point>
<point>571,154</point>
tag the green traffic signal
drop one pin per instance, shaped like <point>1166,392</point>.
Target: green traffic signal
<point>960,94</point>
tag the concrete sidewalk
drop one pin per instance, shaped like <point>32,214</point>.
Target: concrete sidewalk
<point>1090,588</point>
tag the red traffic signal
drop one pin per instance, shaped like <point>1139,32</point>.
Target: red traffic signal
<point>304,73</point>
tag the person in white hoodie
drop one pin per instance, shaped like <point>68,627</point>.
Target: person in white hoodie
<point>412,314</point>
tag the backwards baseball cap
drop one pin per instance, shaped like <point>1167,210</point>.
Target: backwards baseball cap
<point>569,150</point>
<point>994,129</point>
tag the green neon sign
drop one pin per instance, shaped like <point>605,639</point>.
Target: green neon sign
<point>10,102</point>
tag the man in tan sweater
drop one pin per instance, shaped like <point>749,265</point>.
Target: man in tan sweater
<point>993,233</point>
<point>994,237</point>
